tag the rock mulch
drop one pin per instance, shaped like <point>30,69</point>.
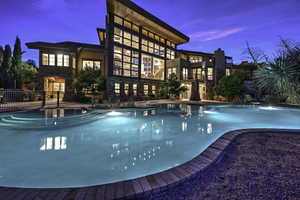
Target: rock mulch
<point>255,166</point>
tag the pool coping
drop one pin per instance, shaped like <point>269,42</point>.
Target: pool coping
<point>155,183</point>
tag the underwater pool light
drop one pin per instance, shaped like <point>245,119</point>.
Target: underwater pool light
<point>114,113</point>
<point>210,112</point>
<point>269,108</point>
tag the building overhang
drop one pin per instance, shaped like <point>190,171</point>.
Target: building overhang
<point>199,53</point>
<point>64,46</point>
<point>132,12</point>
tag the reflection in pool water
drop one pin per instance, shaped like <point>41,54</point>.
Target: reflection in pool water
<point>53,143</point>
<point>118,145</point>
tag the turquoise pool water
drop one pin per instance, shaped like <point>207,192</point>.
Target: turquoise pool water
<point>74,148</point>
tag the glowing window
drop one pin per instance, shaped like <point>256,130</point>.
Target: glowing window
<point>135,28</point>
<point>171,71</point>
<point>52,59</point>
<point>127,24</point>
<point>59,60</point>
<point>87,64</point>
<point>227,72</point>
<point>97,64</point>
<point>45,59</point>
<point>152,68</point>
<point>146,90</point>
<point>74,62</point>
<point>117,89</point>
<point>134,87</point>
<point>153,89</point>
<point>210,74</point>
<point>126,89</point>
<point>66,60</point>
<point>118,20</point>
<point>185,73</point>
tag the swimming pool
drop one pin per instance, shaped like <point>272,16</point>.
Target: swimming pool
<point>73,148</point>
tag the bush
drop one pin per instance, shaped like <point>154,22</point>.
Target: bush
<point>231,86</point>
<point>81,98</point>
<point>238,100</point>
<point>248,98</point>
<point>272,99</point>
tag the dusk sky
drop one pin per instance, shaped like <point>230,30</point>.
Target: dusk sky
<point>211,24</point>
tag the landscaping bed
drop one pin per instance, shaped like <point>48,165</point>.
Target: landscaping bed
<point>255,166</point>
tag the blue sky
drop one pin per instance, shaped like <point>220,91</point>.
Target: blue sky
<point>211,24</point>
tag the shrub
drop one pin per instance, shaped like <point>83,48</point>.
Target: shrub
<point>272,99</point>
<point>248,98</point>
<point>231,86</point>
<point>81,98</point>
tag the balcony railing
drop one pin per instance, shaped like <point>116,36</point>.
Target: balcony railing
<point>47,70</point>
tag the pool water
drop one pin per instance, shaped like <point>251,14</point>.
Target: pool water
<point>74,148</point>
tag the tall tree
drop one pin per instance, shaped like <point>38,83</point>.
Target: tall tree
<point>1,71</point>
<point>1,55</point>
<point>6,68</point>
<point>17,63</point>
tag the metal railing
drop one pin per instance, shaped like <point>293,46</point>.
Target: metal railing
<point>19,100</point>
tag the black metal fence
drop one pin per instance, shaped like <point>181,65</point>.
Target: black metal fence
<point>17,100</point>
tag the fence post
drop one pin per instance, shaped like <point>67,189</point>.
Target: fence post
<point>58,99</point>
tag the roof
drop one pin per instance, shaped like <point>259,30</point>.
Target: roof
<point>245,66</point>
<point>151,17</point>
<point>198,53</point>
<point>194,52</point>
<point>63,45</point>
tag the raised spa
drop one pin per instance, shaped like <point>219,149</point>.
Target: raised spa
<point>74,148</point>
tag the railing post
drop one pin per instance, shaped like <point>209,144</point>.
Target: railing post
<point>58,99</point>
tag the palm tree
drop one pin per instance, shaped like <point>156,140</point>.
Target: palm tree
<point>280,77</point>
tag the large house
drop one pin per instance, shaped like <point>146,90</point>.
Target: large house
<point>137,53</point>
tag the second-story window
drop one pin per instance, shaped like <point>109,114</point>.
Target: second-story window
<point>196,59</point>
<point>60,60</point>
<point>45,59</point>
<point>52,59</point>
<point>185,73</point>
<point>170,54</point>
<point>95,64</point>
<point>66,60</point>
<point>126,38</point>
<point>74,62</point>
<point>55,60</point>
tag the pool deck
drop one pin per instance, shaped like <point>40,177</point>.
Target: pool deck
<point>140,187</point>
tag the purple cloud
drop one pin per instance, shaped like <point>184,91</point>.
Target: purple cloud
<point>215,34</point>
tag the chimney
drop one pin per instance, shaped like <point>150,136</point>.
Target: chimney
<point>220,64</point>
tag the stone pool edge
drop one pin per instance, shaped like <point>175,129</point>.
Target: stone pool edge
<point>159,182</point>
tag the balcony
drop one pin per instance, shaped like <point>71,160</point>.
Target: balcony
<point>55,71</point>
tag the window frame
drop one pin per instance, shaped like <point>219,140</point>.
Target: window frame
<point>93,63</point>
